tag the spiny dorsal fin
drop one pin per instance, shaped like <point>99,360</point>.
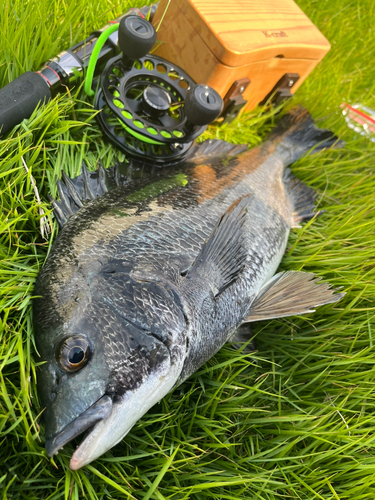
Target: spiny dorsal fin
<point>71,190</point>
<point>89,195</point>
<point>289,294</point>
<point>223,255</point>
<point>87,186</point>
<point>65,201</point>
<point>90,185</point>
<point>59,212</point>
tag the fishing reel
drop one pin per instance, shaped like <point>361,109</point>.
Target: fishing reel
<point>149,108</point>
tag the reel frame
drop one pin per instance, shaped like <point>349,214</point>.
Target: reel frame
<point>118,79</point>
<point>161,155</point>
<point>150,108</point>
<point>137,132</point>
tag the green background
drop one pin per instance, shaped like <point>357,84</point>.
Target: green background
<point>294,421</point>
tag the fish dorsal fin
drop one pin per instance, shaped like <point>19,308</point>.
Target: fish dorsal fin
<point>289,294</point>
<point>223,255</point>
<point>87,186</point>
<point>213,148</point>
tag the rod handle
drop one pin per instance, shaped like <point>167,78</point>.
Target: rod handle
<point>20,97</point>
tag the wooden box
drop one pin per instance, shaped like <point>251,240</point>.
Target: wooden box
<point>263,45</point>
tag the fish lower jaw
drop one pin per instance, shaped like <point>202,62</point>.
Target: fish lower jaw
<point>125,413</point>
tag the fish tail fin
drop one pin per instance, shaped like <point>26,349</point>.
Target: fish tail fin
<point>299,136</point>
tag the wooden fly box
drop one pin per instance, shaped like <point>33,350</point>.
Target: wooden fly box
<point>247,50</point>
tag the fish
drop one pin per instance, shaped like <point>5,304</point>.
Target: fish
<point>155,269</point>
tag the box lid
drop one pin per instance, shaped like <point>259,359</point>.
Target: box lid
<point>243,31</point>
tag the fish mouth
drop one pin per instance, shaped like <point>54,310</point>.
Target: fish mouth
<point>110,419</point>
<point>97,412</point>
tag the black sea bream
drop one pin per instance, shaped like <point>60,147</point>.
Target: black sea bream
<point>148,278</point>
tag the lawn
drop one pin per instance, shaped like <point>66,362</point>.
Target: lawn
<point>296,420</point>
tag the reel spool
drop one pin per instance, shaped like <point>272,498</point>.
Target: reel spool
<point>151,109</point>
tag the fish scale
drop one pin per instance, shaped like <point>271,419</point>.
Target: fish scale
<point>152,274</point>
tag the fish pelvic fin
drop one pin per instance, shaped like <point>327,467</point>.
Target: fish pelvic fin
<point>73,193</point>
<point>291,293</point>
<point>243,335</point>
<point>298,135</point>
<point>303,198</point>
<point>223,255</point>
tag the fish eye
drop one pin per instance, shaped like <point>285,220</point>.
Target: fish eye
<point>73,353</point>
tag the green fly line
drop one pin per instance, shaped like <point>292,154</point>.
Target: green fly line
<point>139,136</point>
<point>94,57</point>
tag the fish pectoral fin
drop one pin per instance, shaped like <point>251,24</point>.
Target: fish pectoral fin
<point>291,293</point>
<point>223,255</point>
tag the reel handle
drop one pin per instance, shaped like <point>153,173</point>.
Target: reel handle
<point>136,37</point>
<point>202,105</point>
<point>20,97</point>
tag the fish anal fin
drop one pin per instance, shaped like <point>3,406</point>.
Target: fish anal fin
<point>223,255</point>
<point>303,198</point>
<point>291,293</point>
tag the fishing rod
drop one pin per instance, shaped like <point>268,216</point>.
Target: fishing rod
<point>20,97</point>
<point>150,109</point>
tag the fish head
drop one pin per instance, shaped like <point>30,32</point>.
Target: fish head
<point>109,357</point>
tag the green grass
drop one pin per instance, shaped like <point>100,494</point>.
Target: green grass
<point>294,421</point>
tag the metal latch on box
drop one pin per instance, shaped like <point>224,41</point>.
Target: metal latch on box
<point>281,90</point>
<point>233,100</point>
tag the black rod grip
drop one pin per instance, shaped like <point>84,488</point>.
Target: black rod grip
<point>20,97</point>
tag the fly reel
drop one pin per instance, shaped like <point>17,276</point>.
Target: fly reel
<point>150,108</point>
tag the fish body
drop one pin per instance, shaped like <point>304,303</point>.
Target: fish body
<point>149,280</point>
